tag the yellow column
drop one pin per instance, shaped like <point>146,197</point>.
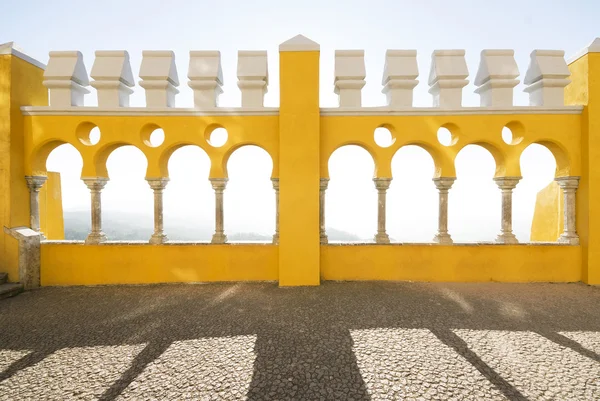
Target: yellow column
<point>20,85</point>
<point>585,90</point>
<point>299,247</point>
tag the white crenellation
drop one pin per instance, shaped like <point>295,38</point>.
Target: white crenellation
<point>496,77</point>
<point>159,78</point>
<point>206,78</point>
<point>546,78</point>
<point>66,79</point>
<point>349,77</point>
<point>447,77</point>
<point>253,77</point>
<point>400,77</point>
<point>113,78</point>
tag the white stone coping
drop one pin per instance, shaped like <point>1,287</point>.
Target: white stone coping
<point>267,243</point>
<point>9,48</point>
<point>593,47</point>
<point>274,111</point>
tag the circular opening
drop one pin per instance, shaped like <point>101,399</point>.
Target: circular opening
<point>157,137</point>
<point>507,135</point>
<point>88,134</point>
<point>444,136</point>
<point>383,137</point>
<point>218,137</point>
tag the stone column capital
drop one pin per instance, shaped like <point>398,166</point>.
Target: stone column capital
<point>507,183</point>
<point>218,184</point>
<point>158,184</point>
<point>570,182</point>
<point>444,183</point>
<point>95,183</point>
<point>382,184</point>
<point>323,183</point>
<point>35,182</point>
<point>275,182</point>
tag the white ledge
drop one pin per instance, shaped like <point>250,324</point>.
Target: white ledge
<point>435,111</point>
<point>10,48</point>
<point>146,243</point>
<point>148,111</point>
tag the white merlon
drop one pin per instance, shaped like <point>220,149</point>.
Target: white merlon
<point>546,78</point>
<point>447,77</point>
<point>400,77</point>
<point>113,78</point>
<point>496,78</point>
<point>299,43</point>
<point>350,76</point>
<point>593,47</point>
<point>66,79</point>
<point>253,77</point>
<point>12,49</point>
<point>206,78</point>
<point>159,78</point>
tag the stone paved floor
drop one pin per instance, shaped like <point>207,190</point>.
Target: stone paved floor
<point>343,341</point>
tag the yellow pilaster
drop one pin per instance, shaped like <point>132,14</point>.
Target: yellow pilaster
<point>20,85</point>
<point>299,139</point>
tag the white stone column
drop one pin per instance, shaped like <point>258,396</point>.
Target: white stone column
<point>275,182</point>
<point>569,186</point>
<point>323,183</point>
<point>382,185</point>
<point>443,184</point>
<point>95,186</point>
<point>35,183</point>
<point>219,185</point>
<point>507,184</point>
<point>158,185</point>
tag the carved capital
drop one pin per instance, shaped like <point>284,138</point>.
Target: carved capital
<point>507,183</point>
<point>95,184</point>
<point>35,182</point>
<point>323,183</point>
<point>158,184</point>
<point>567,183</point>
<point>382,184</point>
<point>444,183</point>
<point>218,184</point>
<point>275,182</point>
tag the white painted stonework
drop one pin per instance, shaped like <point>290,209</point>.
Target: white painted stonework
<point>206,78</point>
<point>159,78</point>
<point>12,49</point>
<point>349,77</point>
<point>546,78</point>
<point>113,78</point>
<point>66,79</point>
<point>299,43</point>
<point>593,47</point>
<point>496,78</point>
<point>447,77</point>
<point>253,77</point>
<point>400,74</point>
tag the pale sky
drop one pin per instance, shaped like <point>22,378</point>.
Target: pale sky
<point>40,26</point>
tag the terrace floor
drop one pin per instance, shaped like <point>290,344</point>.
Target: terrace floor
<point>343,341</point>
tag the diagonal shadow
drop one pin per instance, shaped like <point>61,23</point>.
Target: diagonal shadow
<point>149,354</point>
<point>25,362</point>
<point>452,340</point>
<point>569,343</point>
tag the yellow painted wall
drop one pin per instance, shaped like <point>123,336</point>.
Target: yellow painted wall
<point>78,264</point>
<point>548,217</point>
<point>51,211</point>
<point>505,263</point>
<point>20,84</point>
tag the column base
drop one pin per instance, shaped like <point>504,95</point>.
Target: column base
<point>275,239</point>
<point>569,239</point>
<point>157,239</point>
<point>219,239</point>
<point>507,238</point>
<point>443,239</point>
<point>95,238</point>
<point>382,238</point>
<point>324,239</point>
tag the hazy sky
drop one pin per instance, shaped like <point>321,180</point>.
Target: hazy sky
<point>229,26</point>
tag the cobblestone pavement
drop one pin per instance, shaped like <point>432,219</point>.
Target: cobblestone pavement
<point>342,341</point>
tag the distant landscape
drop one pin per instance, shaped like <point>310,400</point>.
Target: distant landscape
<point>136,227</point>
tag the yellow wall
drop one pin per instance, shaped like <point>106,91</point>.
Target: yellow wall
<point>51,211</point>
<point>505,263</point>
<point>78,264</point>
<point>20,84</point>
<point>548,217</point>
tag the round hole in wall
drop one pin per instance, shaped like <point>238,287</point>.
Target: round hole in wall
<point>444,136</point>
<point>507,135</point>
<point>383,137</point>
<point>218,137</point>
<point>157,137</point>
<point>88,134</point>
<point>512,133</point>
